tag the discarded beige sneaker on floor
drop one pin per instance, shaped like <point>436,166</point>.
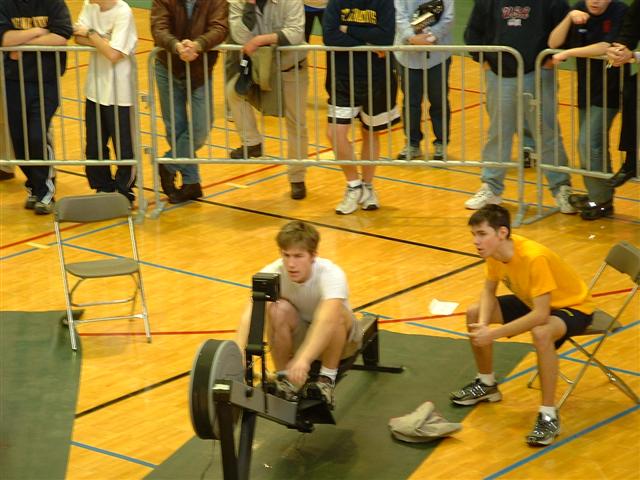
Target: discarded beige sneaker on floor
<point>424,424</point>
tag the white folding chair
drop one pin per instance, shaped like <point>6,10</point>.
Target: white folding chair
<point>625,259</point>
<point>97,208</point>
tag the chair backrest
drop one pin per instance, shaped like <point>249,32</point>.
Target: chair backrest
<point>92,208</point>
<point>625,258</point>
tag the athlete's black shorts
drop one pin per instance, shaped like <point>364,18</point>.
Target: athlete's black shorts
<point>374,111</point>
<point>575,320</point>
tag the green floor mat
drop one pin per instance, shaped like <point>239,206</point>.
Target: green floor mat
<point>39,376</point>
<point>360,445</point>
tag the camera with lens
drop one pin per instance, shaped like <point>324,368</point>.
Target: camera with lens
<point>267,284</point>
<point>426,15</point>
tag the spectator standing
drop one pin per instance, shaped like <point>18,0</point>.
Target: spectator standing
<point>586,32</point>
<point>109,26</point>
<point>352,23</point>
<point>412,77</point>
<point>619,53</point>
<point>260,23</point>
<point>187,30</point>
<point>36,22</point>
<point>526,28</point>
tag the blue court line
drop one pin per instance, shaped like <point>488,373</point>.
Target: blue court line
<point>113,454</point>
<point>561,443</point>
<point>438,329</point>
<point>163,267</point>
<point>615,369</point>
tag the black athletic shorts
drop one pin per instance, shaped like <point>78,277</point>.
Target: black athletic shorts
<point>575,320</point>
<point>379,114</point>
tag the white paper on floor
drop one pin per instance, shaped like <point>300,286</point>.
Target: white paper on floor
<point>436,307</point>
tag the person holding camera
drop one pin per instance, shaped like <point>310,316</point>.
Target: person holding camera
<point>434,29</point>
<point>261,23</point>
<point>311,321</point>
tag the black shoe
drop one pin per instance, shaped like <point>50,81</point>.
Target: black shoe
<point>621,177</point>
<point>167,181</point>
<point>30,202</point>
<point>252,151</point>
<point>594,211</point>
<point>578,201</point>
<point>298,190</point>
<point>189,191</point>
<point>6,175</point>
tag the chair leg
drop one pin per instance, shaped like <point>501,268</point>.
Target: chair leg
<point>72,328</point>
<point>617,381</point>
<point>145,313</point>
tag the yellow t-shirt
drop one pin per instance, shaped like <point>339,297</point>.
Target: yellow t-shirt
<point>535,270</point>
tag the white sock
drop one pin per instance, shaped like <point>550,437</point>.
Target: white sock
<point>332,373</point>
<point>551,411</point>
<point>488,379</point>
<point>354,183</point>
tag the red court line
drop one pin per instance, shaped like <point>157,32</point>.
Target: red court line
<point>133,334</point>
<point>47,234</point>
<point>218,332</point>
<point>432,317</point>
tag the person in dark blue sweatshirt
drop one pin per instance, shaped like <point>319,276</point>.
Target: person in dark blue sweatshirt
<point>34,22</point>
<point>354,23</point>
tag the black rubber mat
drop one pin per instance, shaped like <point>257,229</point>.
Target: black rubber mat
<point>360,445</point>
<point>39,375</point>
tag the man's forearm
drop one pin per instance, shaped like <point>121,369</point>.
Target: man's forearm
<point>323,328</point>
<point>522,324</point>
<point>50,40</point>
<point>13,38</point>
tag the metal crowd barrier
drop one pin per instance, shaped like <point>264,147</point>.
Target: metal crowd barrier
<point>218,143</point>
<point>574,164</point>
<point>66,132</point>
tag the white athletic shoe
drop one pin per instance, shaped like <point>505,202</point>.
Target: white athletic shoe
<point>483,197</point>
<point>350,201</point>
<point>562,200</point>
<point>369,198</point>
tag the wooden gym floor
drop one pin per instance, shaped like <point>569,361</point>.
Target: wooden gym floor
<point>198,259</point>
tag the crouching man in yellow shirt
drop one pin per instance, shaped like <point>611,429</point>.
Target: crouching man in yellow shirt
<point>549,299</point>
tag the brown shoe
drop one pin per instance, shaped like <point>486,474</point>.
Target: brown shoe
<point>189,191</point>
<point>252,151</point>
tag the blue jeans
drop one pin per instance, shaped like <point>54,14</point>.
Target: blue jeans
<point>184,146</point>
<point>592,154</point>
<point>502,103</point>
<point>437,104</point>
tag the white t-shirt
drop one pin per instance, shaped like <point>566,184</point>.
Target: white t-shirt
<point>327,281</point>
<point>107,82</point>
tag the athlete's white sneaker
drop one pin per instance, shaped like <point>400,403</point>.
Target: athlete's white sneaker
<point>563,200</point>
<point>349,204</point>
<point>483,197</point>
<point>369,198</point>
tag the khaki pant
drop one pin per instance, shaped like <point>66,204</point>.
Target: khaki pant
<point>6,149</point>
<point>295,86</point>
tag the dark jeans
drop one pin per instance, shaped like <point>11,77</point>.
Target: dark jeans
<point>40,179</point>
<point>309,17</point>
<point>100,178</point>
<point>628,132</point>
<point>439,108</point>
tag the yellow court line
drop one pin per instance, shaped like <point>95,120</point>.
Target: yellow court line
<point>37,245</point>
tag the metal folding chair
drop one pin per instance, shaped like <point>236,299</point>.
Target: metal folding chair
<point>98,208</point>
<point>625,259</point>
